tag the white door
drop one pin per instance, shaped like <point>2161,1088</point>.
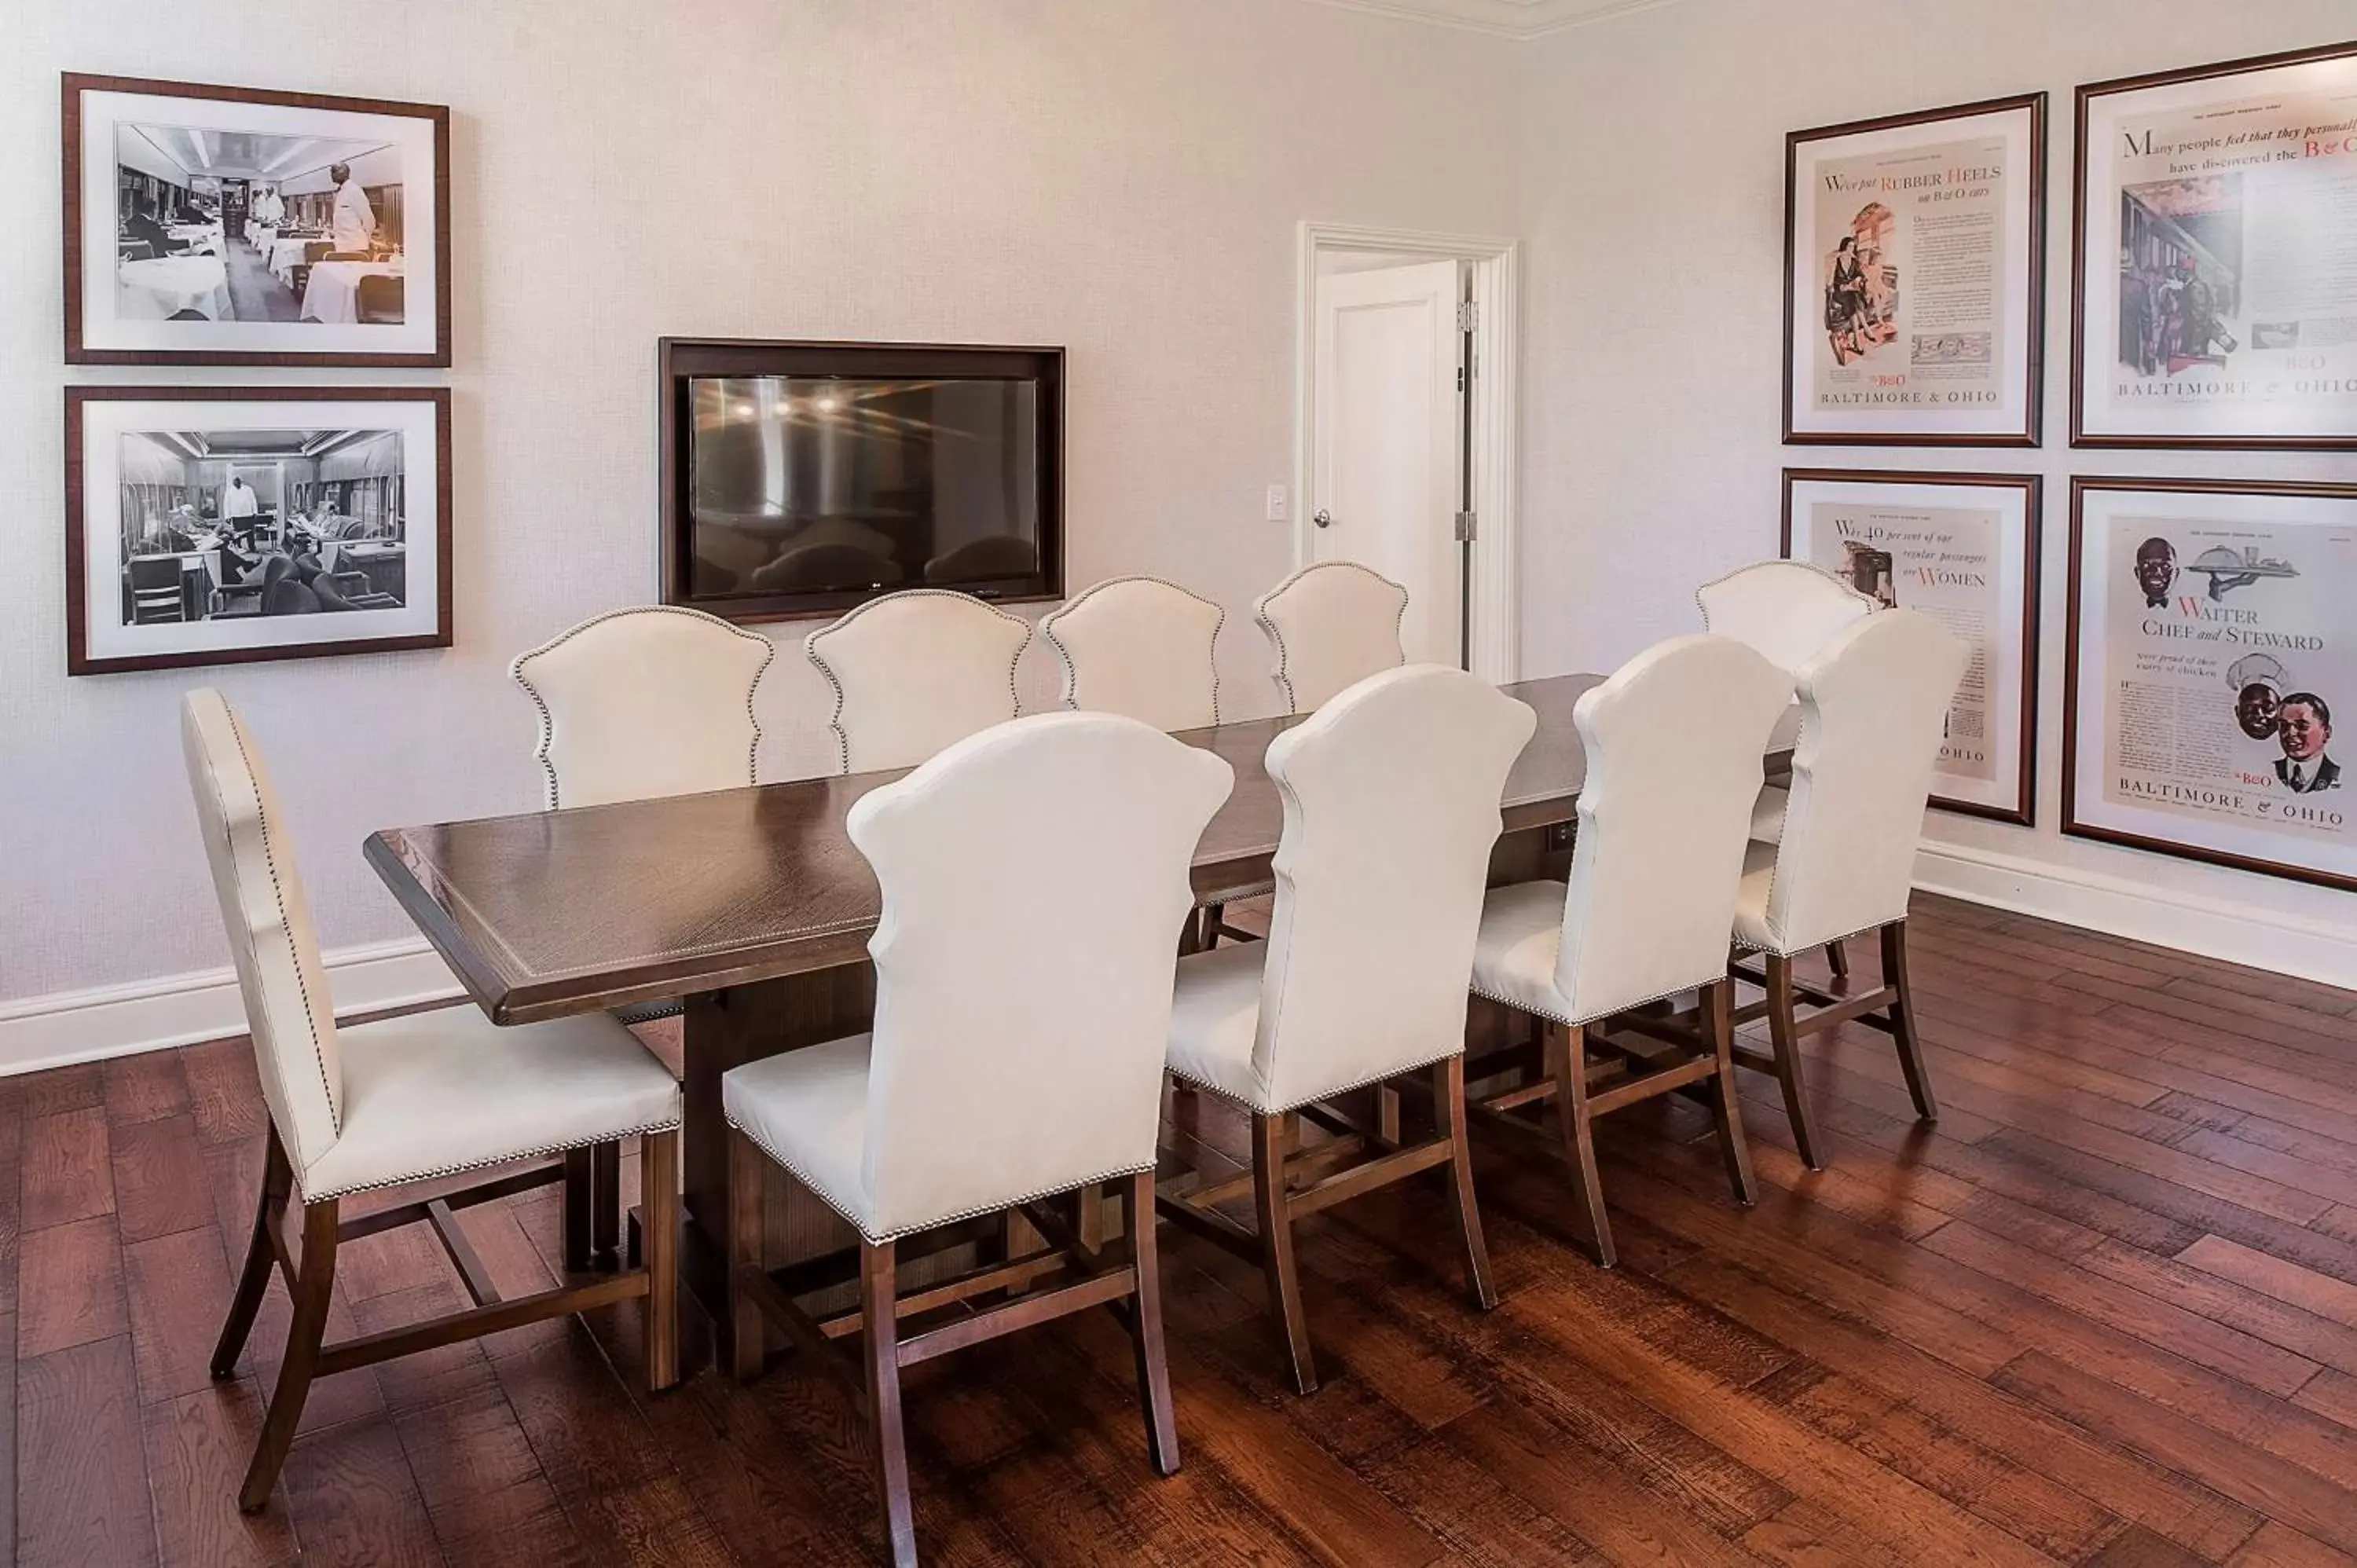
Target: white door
<point>1386,459</point>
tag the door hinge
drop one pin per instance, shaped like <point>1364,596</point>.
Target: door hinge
<point>1468,316</point>
<point>1467,527</point>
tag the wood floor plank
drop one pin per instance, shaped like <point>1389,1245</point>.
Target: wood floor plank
<point>197,1446</point>
<point>72,1289</point>
<point>351,1497</point>
<point>64,1173</point>
<point>81,1477</point>
<point>2281,1546</point>
<point>161,1182</point>
<point>177,1289</point>
<point>144,1086</point>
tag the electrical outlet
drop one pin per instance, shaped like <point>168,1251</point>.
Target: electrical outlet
<point>1278,512</point>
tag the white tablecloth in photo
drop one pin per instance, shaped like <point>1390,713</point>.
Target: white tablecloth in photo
<point>332,297</point>
<point>159,289</point>
<point>286,254</point>
<point>201,239</point>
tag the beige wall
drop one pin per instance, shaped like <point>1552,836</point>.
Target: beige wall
<point>1122,177</point>
<point>1652,160</point>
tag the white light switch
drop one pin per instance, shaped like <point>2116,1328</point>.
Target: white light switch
<point>1276,509</point>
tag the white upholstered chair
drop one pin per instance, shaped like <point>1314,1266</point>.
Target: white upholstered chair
<point>635,704</point>
<point>1331,625</point>
<point>1873,704</point>
<point>1674,744</point>
<point>915,671</point>
<point>1788,610</point>
<point>405,1099</point>
<point>1140,647</point>
<point>1391,797</point>
<point>1035,883</point>
<point>640,702</point>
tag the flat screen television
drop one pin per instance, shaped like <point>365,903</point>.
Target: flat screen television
<point>801,478</point>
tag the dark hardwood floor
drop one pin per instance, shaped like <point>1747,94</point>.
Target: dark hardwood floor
<point>2106,1313</point>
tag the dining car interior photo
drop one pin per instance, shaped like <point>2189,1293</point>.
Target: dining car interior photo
<point>1040,783</point>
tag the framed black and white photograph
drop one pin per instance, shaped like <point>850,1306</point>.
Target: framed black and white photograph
<point>1915,277</point>
<point>2213,640</point>
<point>2213,298</point>
<point>230,226</point>
<point>1962,548</point>
<point>216,525</point>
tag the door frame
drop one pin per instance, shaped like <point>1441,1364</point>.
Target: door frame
<point>1493,462</point>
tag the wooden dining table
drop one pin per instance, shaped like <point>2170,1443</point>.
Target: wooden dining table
<point>754,908</point>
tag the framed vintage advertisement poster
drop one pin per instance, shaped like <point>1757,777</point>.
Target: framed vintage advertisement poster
<point>1962,548</point>
<point>2213,636</point>
<point>2214,298</point>
<point>1915,277</point>
<point>230,226</point>
<point>217,525</point>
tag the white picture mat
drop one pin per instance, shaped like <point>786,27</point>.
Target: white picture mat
<point>2100,569</point>
<point>101,329</point>
<point>2101,413</point>
<point>104,424</point>
<point>2007,655</point>
<point>2010,416</point>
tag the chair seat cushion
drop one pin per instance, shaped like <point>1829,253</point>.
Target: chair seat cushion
<point>1214,1017</point>
<point>807,1110</point>
<point>1751,897</point>
<point>1514,956</point>
<point>430,1094</point>
<point>1768,815</point>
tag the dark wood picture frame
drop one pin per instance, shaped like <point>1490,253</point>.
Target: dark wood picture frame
<point>680,360</point>
<point>2032,487</point>
<point>77,658</point>
<point>75,83</point>
<point>2080,486</point>
<point>2034,369</point>
<point>2086,96</point>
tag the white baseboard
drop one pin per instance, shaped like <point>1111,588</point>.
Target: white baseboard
<point>71,1026</point>
<point>2320,950</point>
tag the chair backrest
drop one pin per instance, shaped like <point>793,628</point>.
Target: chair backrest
<point>155,571</point>
<point>1786,609</point>
<point>1391,808</point>
<point>1332,625</point>
<point>1142,647</point>
<point>635,704</point>
<point>270,937</point>
<point>1874,707</point>
<point>1035,881</point>
<point>381,296</point>
<point>914,671</point>
<point>1675,742</point>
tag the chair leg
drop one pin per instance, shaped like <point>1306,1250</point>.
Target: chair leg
<point>1212,915</point>
<point>1837,960</point>
<point>1784,1039</point>
<point>1146,1330</point>
<point>1448,1109</point>
<point>1718,1013</point>
<point>1902,1021</point>
<point>606,1205</point>
<point>1571,1066</point>
<point>315,1285</point>
<point>277,1181</point>
<point>1277,1248</point>
<point>659,1201</point>
<point>880,1324</point>
<point>748,1171</point>
<point>580,1203</point>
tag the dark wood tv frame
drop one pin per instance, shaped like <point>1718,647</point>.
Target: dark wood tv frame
<point>680,360</point>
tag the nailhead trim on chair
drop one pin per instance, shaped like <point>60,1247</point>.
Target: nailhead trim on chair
<point>1576,1023</point>
<point>1322,1094</point>
<point>1064,657</point>
<point>278,896</point>
<point>1268,627</point>
<point>809,651</point>
<point>873,1240</point>
<point>548,720</point>
<point>671,1126</point>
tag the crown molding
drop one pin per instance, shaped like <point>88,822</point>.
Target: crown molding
<point>1501,19</point>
